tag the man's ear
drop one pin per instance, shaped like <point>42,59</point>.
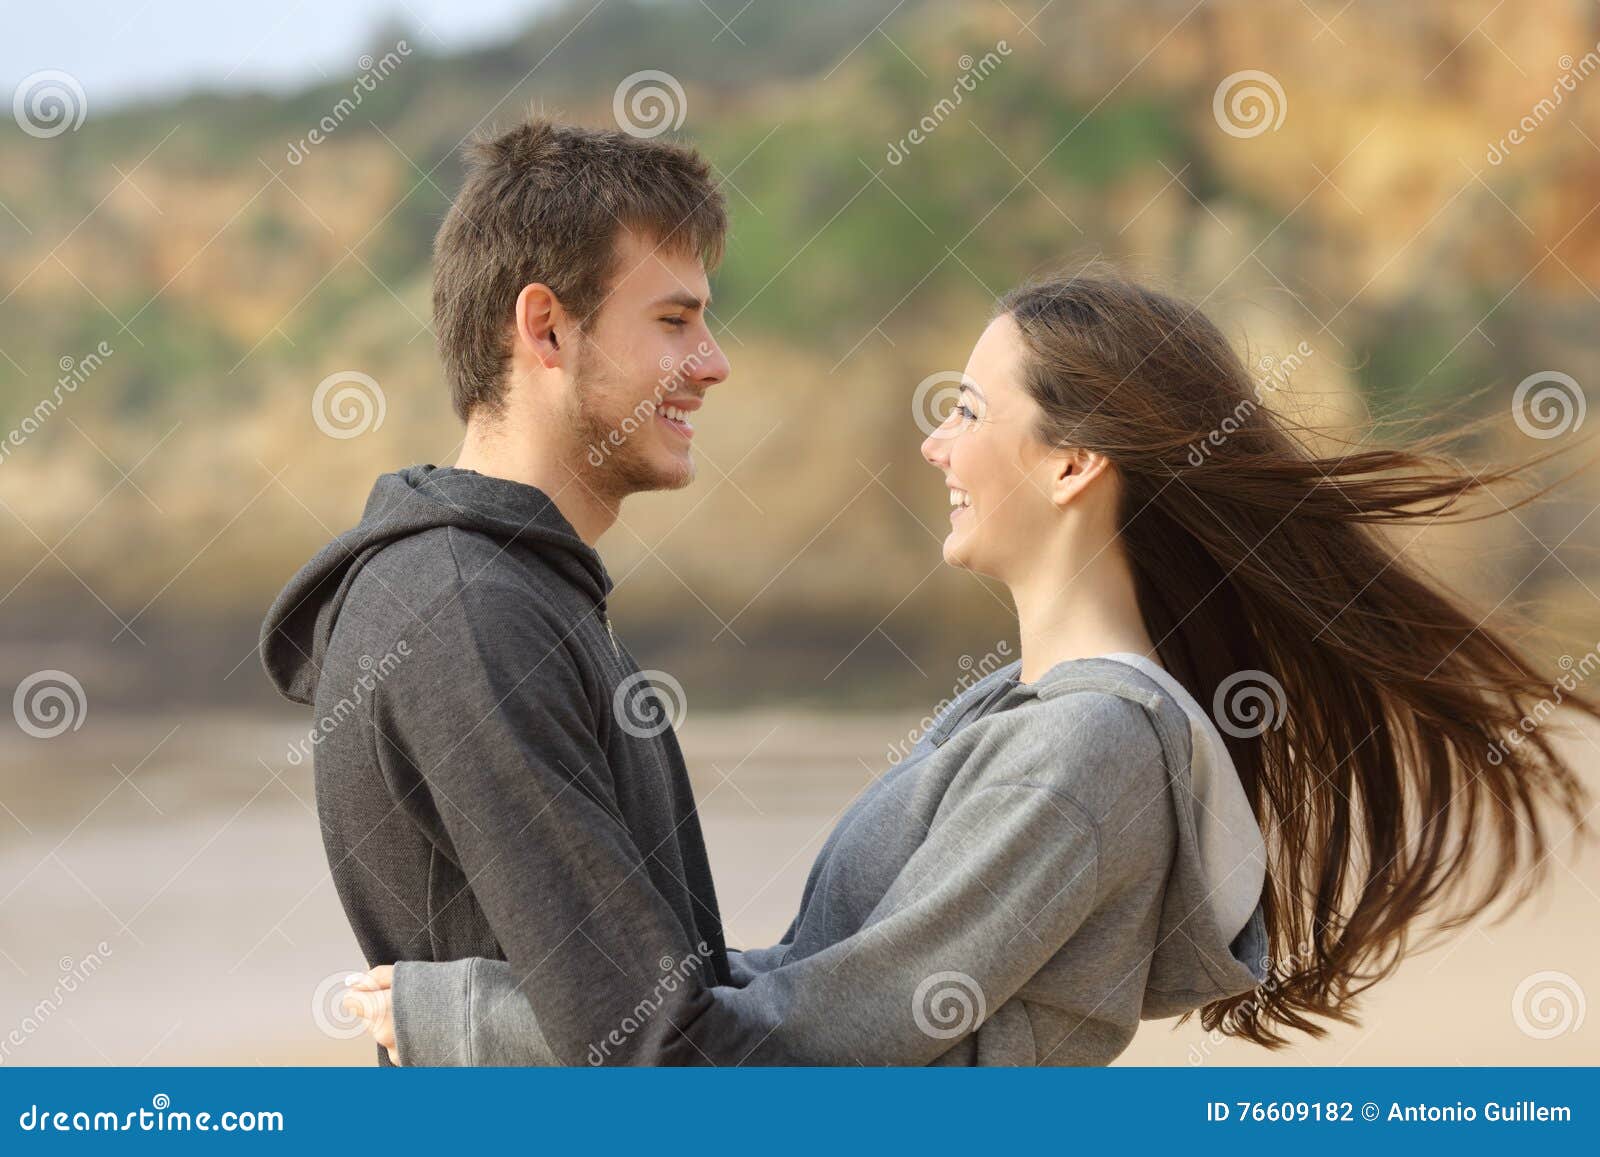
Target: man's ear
<point>1072,469</point>
<point>542,325</point>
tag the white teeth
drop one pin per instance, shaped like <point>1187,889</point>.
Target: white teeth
<point>676,413</point>
<point>960,497</point>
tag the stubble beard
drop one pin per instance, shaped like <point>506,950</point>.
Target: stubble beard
<point>617,439</point>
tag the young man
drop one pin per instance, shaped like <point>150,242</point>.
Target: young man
<point>487,779</point>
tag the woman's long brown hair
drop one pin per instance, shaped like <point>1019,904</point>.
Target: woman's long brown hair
<point>1387,785</point>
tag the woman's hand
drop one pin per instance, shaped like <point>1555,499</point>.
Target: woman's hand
<point>372,1000</point>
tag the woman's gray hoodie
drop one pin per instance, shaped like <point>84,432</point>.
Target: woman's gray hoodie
<point>1052,862</point>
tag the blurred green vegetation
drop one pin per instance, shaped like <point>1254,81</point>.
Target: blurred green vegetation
<point>230,279</point>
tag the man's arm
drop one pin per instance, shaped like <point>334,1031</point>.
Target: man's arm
<point>490,716</point>
<point>1003,879</point>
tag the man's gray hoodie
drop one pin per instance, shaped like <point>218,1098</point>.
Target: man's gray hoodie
<point>493,777</point>
<point>1053,861</point>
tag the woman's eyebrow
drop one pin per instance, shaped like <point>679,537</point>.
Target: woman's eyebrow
<point>970,386</point>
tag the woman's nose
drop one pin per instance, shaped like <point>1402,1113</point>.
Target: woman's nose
<point>936,446</point>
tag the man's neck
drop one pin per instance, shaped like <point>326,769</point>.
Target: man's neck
<point>488,452</point>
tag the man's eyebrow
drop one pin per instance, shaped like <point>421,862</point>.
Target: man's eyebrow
<point>683,298</point>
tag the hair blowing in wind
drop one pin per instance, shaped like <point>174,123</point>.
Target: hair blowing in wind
<point>1383,811</point>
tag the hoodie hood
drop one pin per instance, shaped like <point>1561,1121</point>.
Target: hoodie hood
<point>1212,940</point>
<point>294,636</point>
<point>1233,855</point>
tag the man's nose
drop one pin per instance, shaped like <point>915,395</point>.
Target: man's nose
<point>712,368</point>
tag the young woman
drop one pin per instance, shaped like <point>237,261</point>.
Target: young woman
<point>1078,842</point>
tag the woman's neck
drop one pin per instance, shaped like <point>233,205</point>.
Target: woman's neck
<point>1066,612</point>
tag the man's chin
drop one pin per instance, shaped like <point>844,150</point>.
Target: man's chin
<point>666,473</point>
<point>676,473</point>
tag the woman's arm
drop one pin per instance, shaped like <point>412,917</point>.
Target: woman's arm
<point>1008,872</point>
<point>470,1012</point>
<point>464,1012</point>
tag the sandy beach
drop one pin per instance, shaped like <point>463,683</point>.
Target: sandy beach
<point>164,900</point>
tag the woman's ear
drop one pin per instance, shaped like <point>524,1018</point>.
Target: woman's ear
<point>538,318</point>
<point>1073,469</point>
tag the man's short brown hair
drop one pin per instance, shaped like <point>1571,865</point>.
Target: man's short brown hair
<point>544,202</point>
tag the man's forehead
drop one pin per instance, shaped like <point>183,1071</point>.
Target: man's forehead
<point>640,256</point>
<point>657,270</point>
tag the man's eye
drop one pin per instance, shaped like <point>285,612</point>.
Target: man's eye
<point>676,322</point>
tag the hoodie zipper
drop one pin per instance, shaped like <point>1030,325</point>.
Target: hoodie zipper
<point>615,649</point>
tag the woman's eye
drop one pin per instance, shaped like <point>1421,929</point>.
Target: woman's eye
<point>966,412</point>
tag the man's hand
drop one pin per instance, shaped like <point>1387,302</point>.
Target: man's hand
<point>372,1000</point>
